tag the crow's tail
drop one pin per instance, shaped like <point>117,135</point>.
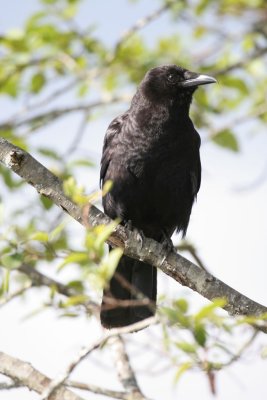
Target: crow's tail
<point>131,294</point>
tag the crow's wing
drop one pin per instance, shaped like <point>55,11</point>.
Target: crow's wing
<point>195,177</point>
<point>112,136</point>
<point>195,173</point>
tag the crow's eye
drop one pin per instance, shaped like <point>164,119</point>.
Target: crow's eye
<point>171,78</point>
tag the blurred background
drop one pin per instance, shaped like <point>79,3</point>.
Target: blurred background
<point>67,68</point>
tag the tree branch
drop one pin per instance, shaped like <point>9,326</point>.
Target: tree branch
<point>39,279</point>
<point>125,372</point>
<point>151,252</point>
<point>23,373</point>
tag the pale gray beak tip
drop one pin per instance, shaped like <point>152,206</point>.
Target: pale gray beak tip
<point>198,80</point>
<point>204,79</point>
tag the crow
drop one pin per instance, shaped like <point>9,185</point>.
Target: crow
<point>151,155</point>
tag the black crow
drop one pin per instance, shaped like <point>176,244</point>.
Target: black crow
<point>151,154</point>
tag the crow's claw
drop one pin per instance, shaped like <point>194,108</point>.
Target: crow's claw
<point>139,235</point>
<point>167,243</point>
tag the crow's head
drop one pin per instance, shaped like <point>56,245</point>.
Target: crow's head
<point>171,82</point>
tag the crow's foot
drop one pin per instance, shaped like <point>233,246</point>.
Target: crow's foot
<point>138,234</point>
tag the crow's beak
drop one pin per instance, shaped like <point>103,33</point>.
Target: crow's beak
<point>194,79</point>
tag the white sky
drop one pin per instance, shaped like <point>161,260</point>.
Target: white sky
<point>228,226</point>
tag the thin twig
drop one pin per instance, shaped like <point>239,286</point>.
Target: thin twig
<point>46,101</point>
<point>98,390</point>
<point>141,300</point>
<point>241,119</point>
<point>240,352</point>
<point>258,52</point>
<point>57,382</point>
<point>9,386</point>
<point>48,116</point>
<point>256,182</point>
<point>141,23</point>
<point>185,246</point>
<point>79,135</point>
<point>6,299</point>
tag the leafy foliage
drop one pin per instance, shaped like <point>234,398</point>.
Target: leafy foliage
<point>54,67</point>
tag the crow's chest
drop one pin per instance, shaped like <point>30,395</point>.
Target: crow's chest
<point>163,164</point>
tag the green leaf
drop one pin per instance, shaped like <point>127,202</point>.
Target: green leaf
<point>186,347</point>
<point>37,82</point>
<point>248,43</point>
<point>34,19</point>
<point>46,202</point>
<point>107,187</point>
<point>11,86</point>
<point>75,300</point>
<point>110,82</point>
<point>49,153</point>
<point>9,178</point>
<point>181,304</point>
<point>75,192</point>
<point>15,34</point>
<point>5,283</point>
<point>57,231</point>
<point>226,139</point>
<point>200,334</point>
<point>252,319</point>
<point>70,315</point>
<point>76,285</point>
<point>82,163</point>
<point>103,232</point>
<point>176,317</point>
<point>107,268</point>
<point>40,236</point>
<point>70,11</point>
<point>235,83</point>
<point>166,337</point>
<point>49,1</point>
<point>83,89</point>
<point>70,187</point>
<point>201,6</point>
<point>181,370</point>
<point>200,31</point>
<point>171,314</point>
<point>208,310</point>
<point>12,261</point>
<point>75,257</point>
